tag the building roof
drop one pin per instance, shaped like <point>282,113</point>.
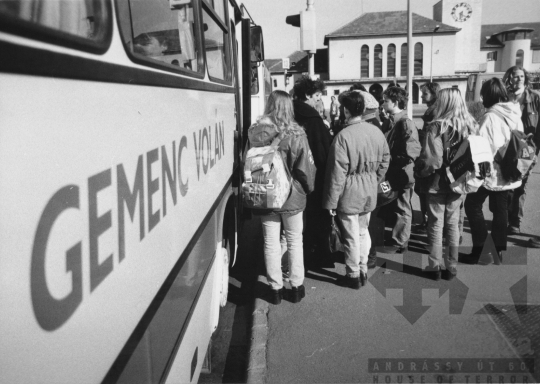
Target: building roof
<point>388,23</point>
<point>488,39</point>
<point>299,62</point>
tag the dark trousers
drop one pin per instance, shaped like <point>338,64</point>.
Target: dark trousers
<point>498,205</point>
<point>516,200</point>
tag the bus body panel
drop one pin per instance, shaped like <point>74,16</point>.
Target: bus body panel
<point>83,135</point>
<point>86,301</point>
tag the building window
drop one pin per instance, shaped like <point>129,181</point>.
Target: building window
<point>536,57</point>
<point>377,61</point>
<point>418,59</point>
<point>364,61</point>
<point>403,60</point>
<point>325,92</point>
<point>336,91</point>
<point>492,56</point>
<point>510,36</point>
<point>275,83</point>
<point>519,58</point>
<point>391,61</point>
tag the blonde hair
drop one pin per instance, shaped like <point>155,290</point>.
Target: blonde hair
<point>279,108</point>
<point>450,110</point>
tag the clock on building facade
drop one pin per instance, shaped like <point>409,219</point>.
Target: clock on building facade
<point>461,12</point>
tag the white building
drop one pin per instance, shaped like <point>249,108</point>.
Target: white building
<point>372,49</point>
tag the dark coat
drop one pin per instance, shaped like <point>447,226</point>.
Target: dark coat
<point>358,160</point>
<point>530,108</point>
<point>319,138</point>
<point>404,147</point>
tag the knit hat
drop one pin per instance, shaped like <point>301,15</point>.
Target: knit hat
<point>369,100</point>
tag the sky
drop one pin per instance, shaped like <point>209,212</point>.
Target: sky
<point>281,39</point>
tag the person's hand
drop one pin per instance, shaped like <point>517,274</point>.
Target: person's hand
<point>332,212</point>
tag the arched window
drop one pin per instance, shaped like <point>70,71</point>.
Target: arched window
<point>364,61</point>
<point>418,59</point>
<point>391,61</point>
<point>377,61</point>
<point>403,60</point>
<point>519,58</point>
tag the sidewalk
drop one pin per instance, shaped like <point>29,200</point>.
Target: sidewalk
<point>339,335</point>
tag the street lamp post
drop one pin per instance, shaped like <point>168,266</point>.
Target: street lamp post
<point>431,69</point>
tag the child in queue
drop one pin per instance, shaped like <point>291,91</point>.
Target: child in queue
<point>296,153</point>
<point>451,123</point>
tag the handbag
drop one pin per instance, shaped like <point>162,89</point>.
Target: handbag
<point>333,237</point>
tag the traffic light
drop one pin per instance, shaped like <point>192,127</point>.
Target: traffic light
<point>293,20</point>
<point>306,21</point>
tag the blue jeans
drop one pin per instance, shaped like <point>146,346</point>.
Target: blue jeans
<point>443,211</point>
<point>293,225</point>
<point>402,208</point>
<point>516,203</point>
<point>356,242</point>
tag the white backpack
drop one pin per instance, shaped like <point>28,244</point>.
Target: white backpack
<point>267,181</point>
<point>463,171</point>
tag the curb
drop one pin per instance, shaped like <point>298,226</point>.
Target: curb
<point>256,370</point>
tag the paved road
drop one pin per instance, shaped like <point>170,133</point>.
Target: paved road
<point>334,334</point>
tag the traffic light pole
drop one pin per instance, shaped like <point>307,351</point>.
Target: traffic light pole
<point>311,54</point>
<point>410,60</point>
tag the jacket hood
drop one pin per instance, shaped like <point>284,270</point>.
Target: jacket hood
<point>510,111</point>
<point>302,109</point>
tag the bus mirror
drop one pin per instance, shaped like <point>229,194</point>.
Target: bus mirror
<point>257,45</point>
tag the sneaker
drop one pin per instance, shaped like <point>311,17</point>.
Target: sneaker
<point>372,262</point>
<point>349,282</point>
<point>396,249</point>
<point>448,275</point>
<point>471,258</point>
<point>275,296</point>
<point>513,230</point>
<point>402,249</point>
<point>297,294</point>
<point>534,242</point>
<point>433,275</point>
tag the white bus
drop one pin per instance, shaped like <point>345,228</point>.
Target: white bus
<point>122,123</point>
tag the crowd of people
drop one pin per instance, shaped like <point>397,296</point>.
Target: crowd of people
<point>339,167</point>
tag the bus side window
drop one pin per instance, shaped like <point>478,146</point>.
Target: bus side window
<point>61,22</point>
<point>161,32</point>
<point>216,41</point>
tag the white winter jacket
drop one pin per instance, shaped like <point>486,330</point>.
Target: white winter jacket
<point>495,126</point>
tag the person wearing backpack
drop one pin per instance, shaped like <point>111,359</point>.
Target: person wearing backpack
<point>496,126</point>
<point>358,160</point>
<point>452,123</point>
<point>518,84</point>
<point>294,149</point>
<point>429,92</point>
<point>402,137</point>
